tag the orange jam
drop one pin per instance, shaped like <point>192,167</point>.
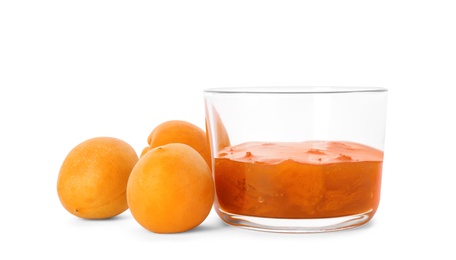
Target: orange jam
<point>314,179</point>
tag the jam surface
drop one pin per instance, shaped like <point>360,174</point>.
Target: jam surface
<point>313,179</point>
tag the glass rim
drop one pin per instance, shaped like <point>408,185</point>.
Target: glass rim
<point>293,90</point>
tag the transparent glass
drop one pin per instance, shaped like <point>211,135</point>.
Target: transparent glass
<point>296,159</point>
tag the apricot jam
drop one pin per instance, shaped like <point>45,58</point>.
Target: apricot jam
<point>313,179</point>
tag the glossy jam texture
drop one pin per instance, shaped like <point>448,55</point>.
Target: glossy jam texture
<point>314,179</point>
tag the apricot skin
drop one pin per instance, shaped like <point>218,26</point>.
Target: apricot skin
<point>93,178</point>
<point>178,131</point>
<point>170,189</point>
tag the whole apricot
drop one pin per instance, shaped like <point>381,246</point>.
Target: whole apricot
<point>170,189</point>
<point>93,178</point>
<point>178,131</point>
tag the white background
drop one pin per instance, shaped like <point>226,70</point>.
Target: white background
<point>72,70</point>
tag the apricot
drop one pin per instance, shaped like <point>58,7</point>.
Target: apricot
<point>93,178</point>
<point>144,151</point>
<point>177,131</point>
<point>221,138</point>
<point>170,189</point>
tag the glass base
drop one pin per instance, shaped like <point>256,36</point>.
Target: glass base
<point>283,225</point>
